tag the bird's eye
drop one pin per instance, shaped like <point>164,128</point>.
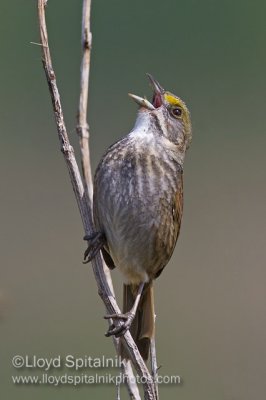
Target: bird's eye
<point>177,112</point>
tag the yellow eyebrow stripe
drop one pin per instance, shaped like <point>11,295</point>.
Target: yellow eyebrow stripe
<point>172,99</point>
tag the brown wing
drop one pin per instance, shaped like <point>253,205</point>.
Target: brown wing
<point>172,224</point>
<point>178,208</point>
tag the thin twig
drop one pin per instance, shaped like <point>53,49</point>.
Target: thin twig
<point>130,380</point>
<point>154,366</point>
<point>82,123</point>
<point>83,202</point>
<point>83,132</point>
<point>118,391</point>
<point>82,126</point>
<point>36,44</point>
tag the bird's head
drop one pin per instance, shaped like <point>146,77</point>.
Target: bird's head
<point>169,114</point>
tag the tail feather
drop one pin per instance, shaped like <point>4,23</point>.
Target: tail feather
<point>142,328</point>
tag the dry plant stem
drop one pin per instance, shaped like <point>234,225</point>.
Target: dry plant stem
<point>83,204</point>
<point>131,384</point>
<point>118,391</point>
<point>83,132</point>
<point>82,125</point>
<point>154,367</point>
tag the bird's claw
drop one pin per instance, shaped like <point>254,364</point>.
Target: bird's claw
<point>120,328</point>
<point>95,243</point>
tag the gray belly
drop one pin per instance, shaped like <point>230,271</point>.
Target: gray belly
<point>134,208</point>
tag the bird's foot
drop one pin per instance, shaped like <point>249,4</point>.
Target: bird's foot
<point>95,242</point>
<point>124,322</point>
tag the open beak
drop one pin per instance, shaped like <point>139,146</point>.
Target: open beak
<point>156,85</point>
<point>157,100</point>
<point>142,101</point>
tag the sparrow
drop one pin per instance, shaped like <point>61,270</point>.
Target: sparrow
<point>138,206</point>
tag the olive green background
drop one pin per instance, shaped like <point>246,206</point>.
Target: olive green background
<point>210,300</point>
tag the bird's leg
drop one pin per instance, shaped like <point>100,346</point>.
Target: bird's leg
<point>127,318</point>
<point>95,242</point>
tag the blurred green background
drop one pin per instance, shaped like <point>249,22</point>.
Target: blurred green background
<point>210,301</point>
